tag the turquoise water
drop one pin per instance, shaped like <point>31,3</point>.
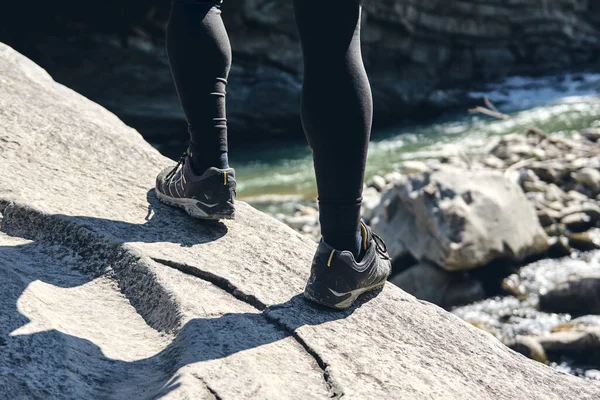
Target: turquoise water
<point>283,173</point>
<point>275,176</point>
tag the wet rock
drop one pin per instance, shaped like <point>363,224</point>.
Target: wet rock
<point>529,347</point>
<point>559,247</point>
<point>589,177</point>
<point>556,205</point>
<point>371,199</point>
<point>578,323</point>
<point>578,295</point>
<point>305,210</point>
<point>582,345</point>
<point>392,177</point>
<point>577,222</point>
<point>493,162</point>
<point>585,241</point>
<point>552,171</point>
<point>556,229</point>
<point>298,222</point>
<point>588,208</point>
<point>545,218</point>
<point>460,219</point>
<point>591,134</point>
<point>446,289</point>
<point>534,186</point>
<point>413,167</point>
<point>577,196</point>
<point>377,182</point>
<point>554,193</point>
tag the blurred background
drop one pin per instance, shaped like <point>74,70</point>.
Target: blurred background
<point>429,62</point>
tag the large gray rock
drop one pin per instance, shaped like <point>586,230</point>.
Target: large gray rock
<point>446,289</point>
<point>459,219</point>
<point>109,294</point>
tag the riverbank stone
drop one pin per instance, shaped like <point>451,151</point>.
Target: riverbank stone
<point>578,296</point>
<point>460,219</point>
<point>446,289</point>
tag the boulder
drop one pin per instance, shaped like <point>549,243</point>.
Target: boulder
<point>459,219</point>
<point>107,293</point>
<point>589,177</point>
<point>579,295</point>
<point>446,289</point>
<point>577,222</point>
<point>581,344</point>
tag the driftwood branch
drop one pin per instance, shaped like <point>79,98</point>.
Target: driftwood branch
<point>490,110</point>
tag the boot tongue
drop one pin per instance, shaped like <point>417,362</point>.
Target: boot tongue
<point>366,236</point>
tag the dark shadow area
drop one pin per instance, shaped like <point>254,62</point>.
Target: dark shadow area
<point>163,224</point>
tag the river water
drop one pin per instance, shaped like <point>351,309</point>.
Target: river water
<point>273,176</point>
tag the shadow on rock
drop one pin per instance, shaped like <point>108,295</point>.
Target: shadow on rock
<point>52,363</point>
<point>163,224</point>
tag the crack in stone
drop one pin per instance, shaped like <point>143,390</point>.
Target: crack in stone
<point>96,241</point>
<point>212,391</point>
<point>334,389</point>
<point>216,280</point>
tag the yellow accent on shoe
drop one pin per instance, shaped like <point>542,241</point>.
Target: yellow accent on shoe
<point>190,154</point>
<point>364,232</point>
<point>330,257</point>
<point>225,178</point>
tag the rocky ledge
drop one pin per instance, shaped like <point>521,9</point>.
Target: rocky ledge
<point>107,293</point>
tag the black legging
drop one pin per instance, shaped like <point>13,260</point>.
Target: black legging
<point>336,98</point>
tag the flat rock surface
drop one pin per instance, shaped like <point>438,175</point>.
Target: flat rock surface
<point>111,294</point>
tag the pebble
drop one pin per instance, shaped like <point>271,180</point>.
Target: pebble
<point>413,167</point>
<point>378,182</point>
<point>305,210</point>
<point>588,177</point>
<point>298,222</point>
<point>585,241</point>
<point>577,222</point>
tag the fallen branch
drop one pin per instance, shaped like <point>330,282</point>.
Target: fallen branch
<point>487,111</point>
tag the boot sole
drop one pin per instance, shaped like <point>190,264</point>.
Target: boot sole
<point>191,207</point>
<point>321,294</point>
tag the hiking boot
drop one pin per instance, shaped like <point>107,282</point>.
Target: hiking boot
<point>206,196</point>
<point>336,279</point>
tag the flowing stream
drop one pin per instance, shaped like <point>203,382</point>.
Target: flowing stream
<point>273,177</point>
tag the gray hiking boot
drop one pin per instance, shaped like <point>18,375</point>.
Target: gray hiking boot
<point>336,279</point>
<point>206,196</point>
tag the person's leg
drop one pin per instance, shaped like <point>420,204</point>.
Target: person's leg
<point>200,56</point>
<point>336,113</point>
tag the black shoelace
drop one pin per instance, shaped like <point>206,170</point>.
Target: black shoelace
<point>380,246</point>
<point>176,168</point>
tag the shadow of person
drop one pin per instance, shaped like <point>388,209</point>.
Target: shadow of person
<point>163,224</point>
<point>54,363</point>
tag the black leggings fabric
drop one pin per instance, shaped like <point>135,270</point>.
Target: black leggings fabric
<point>200,57</point>
<point>336,97</point>
<point>336,112</point>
